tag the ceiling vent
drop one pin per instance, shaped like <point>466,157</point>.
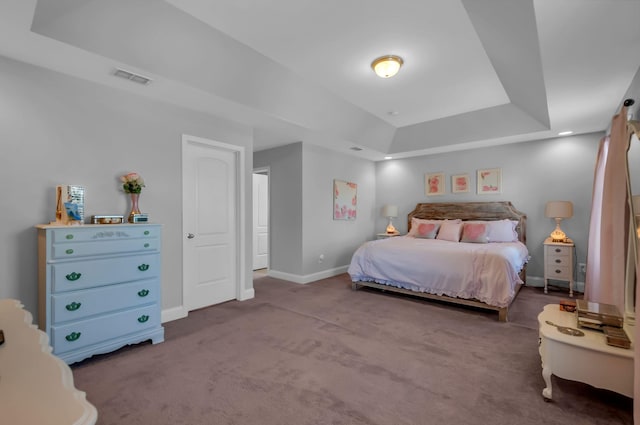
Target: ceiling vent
<point>355,148</point>
<point>136,78</point>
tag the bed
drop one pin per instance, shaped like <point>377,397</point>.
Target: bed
<point>487,275</point>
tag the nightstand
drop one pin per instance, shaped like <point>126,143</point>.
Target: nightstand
<point>558,262</point>
<point>386,235</point>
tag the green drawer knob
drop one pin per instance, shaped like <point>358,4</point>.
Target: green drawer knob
<point>143,267</point>
<point>73,336</point>
<point>143,318</point>
<point>69,251</point>
<point>146,232</point>
<point>143,292</point>
<point>146,245</point>
<point>73,276</point>
<point>73,306</point>
<point>69,236</point>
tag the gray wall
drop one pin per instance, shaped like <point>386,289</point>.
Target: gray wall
<point>56,129</point>
<point>301,210</point>
<point>532,174</point>
<point>322,235</point>
<point>285,206</point>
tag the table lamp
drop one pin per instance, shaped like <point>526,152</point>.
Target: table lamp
<point>390,211</point>
<point>558,210</point>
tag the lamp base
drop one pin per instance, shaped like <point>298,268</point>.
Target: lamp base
<point>558,235</point>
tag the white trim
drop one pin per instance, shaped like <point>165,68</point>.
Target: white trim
<point>173,313</point>
<point>538,282</point>
<point>239,151</point>
<point>307,278</point>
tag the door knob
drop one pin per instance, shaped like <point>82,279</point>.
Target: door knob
<point>190,236</point>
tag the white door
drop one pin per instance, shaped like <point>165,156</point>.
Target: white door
<point>209,217</point>
<point>260,221</point>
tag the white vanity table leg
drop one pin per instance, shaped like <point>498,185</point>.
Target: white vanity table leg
<point>546,375</point>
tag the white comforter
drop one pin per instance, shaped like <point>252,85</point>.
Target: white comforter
<point>485,272</point>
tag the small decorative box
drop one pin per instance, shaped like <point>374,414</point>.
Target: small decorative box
<point>617,337</point>
<point>107,219</point>
<point>568,305</point>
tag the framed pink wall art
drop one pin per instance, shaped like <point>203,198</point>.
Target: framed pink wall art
<point>434,184</point>
<point>460,183</point>
<point>345,200</point>
<point>489,181</point>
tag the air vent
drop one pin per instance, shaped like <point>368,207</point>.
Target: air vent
<point>355,148</point>
<point>136,78</point>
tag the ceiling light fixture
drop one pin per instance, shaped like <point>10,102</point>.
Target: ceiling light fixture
<point>387,66</point>
<point>565,133</point>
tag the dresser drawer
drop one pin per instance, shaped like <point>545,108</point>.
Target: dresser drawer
<point>83,333</point>
<point>559,251</point>
<point>82,249</point>
<point>103,233</point>
<point>80,304</point>
<point>71,276</point>
<point>554,261</point>
<point>558,272</point>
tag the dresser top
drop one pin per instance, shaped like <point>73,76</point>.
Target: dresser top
<point>92,226</point>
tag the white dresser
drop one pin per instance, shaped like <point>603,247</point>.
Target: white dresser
<point>98,287</point>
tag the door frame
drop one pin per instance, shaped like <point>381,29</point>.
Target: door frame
<point>241,231</point>
<point>266,171</point>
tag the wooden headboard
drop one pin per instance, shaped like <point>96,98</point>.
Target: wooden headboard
<point>497,210</point>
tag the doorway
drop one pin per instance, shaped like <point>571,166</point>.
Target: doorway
<point>261,219</point>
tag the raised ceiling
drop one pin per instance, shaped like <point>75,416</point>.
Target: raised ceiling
<point>476,72</point>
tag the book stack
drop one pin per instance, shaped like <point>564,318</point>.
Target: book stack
<point>605,318</point>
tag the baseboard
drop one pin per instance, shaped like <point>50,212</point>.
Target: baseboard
<point>173,313</point>
<point>538,282</point>
<point>309,277</point>
<point>247,294</point>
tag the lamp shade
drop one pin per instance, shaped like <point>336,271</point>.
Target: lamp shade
<point>390,211</point>
<point>559,209</point>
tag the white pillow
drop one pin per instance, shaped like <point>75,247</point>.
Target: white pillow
<point>450,230</point>
<point>503,231</point>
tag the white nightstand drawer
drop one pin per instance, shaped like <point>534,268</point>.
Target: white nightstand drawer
<point>86,274</point>
<point>559,272</point>
<point>559,251</point>
<point>80,334</point>
<point>554,261</point>
<point>79,304</point>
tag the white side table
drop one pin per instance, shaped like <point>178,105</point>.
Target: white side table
<point>558,262</point>
<point>36,387</point>
<point>585,358</point>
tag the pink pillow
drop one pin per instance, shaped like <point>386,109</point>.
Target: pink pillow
<point>475,233</point>
<point>503,231</point>
<point>450,230</point>
<point>427,230</point>
<point>415,227</point>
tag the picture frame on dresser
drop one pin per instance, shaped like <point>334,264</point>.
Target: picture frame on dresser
<point>99,287</point>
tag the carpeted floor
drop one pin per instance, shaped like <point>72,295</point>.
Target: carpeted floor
<point>323,354</point>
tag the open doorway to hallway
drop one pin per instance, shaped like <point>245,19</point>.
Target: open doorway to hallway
<point>261,220</point>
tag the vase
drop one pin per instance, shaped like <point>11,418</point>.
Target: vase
<point>134,206</point>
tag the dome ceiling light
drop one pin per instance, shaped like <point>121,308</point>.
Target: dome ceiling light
<point>387,66</point>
